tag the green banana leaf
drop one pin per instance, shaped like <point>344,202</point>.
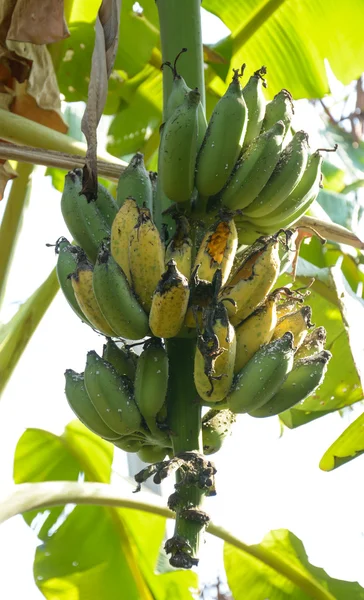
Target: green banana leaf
<point>91,551</point>
<point>250,579</point>
<point>349,445</point>
<point>15,335</point>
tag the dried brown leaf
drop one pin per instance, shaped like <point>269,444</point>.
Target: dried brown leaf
<point>103,57</point>
<point>38,22</point>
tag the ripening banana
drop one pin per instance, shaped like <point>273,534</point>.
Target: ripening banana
<point>68,258</point>
<point>253,279</point>
<point>82,284</point>
<point>288,307</point>
<point>262,376</point>
<point>298,200</point>
<point>135,182</point>
<point>217,250</point>
<point>152,454</point>
<point>120,358</point>
<point>169,303</point>
<point>106,204</point>
<point>298,323</point>
<point>285,177</point>
<point>80,403</point>
<point>255,331</point>
<point>306,376</point>
<point>111,395</point>
<point>178,149</point>
<point>216,426</point>
<point>146,258</point>
<point>215,354</point>
<point>124,223</point>
<point>279,109</point>
<point>255,102</point>
<point>202,294</point>
<point>116,300</point>
<point>223,140</point>
<point>179,248</point>
<point>313,343</point>
<point>253,169</point>
<point>83,219</point>
<point>151,383</point>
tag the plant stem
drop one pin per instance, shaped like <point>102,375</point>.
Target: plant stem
<point>180,27</point>
<point>184,415</point>
<point>11,221</point>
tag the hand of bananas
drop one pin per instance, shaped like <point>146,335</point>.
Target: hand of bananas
<point>254,349</point>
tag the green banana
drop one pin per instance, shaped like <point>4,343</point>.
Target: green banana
<point>216,426</point>
<point>223,140</point>
<point>253,169</point>
<point>116,299</point>
<point>306,376</point>
<point>111,395</point>
<point>106,204</point>
<point>262,376</point>
<point>178,149</point>
<point>129,443</point>
<point>285,177</point>
<point>152,454</point>
<point>68,259</point>
<point>80,403</point>
<point>298,201</point>
<point>255,102</point>
<point>153,176</point>
<point>135,182</point>
<point>279,109</point>
<point>83,219</point>
<point>120,358</point>
<point>313,343</point>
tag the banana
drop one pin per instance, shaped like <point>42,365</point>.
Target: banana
<point>151,382</point>
<point>253,279</point>
<point>288,307</point>
<point>123,224</point>
<point>202,293</point>
<point>285,177</point>
<point>152,454</point>
<point>83,219</point>
<point>180,247</point>
<point>68,257</point>
<point>298,201</point>
<point>216,426</point>
<point>279,109</point>
<point>255,102</point>
<point>223,140</point>
<point>262,376</point>
<point>255,331</point>
<point>129,443</point>
<point>134,182</point>
<point>82,284</point>
<point>253,169</point>
<point>217,250</point>
<point>120,358</point>
<point>153,176</point>
<point>215,354</point>
<point>306,376</point>
<point>116,300</point>
<point>313,344</point>
<point>146,258</point>
<point>178,149</point>
<point>80,403</point>
<point>106,204</point>
<point>111,395</point>
<point>169,303</point>
<point>297,323</point>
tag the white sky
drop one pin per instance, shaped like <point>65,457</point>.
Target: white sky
<point>263,482</point>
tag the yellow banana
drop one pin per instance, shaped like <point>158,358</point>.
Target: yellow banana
<point>288,307</point>
<point>180,247</point>
<point>123,224</point>
<point>217,250</point>
<point>254,279</point>
<point>146,258</point>
<point>313,344</point>
<point>169,304</point>
<point>297,323</point>
<point>215,355</point>
<point>82,286</point>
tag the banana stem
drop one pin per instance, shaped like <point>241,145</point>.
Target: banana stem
<point>11,221</point>
<point>184,415</point>
<point>180,27</point>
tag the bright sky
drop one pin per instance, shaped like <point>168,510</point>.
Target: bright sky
<point>264,481</point>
